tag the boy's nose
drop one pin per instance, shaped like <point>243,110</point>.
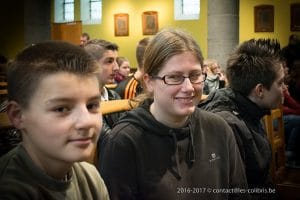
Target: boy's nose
<point>85,119</point>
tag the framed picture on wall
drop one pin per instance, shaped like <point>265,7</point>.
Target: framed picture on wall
<point>295,17</point>
<point>121,24</point>
<point>264,18</point>
<point>150,22</point>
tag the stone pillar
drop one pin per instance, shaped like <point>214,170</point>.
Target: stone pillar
<point>223,29</point>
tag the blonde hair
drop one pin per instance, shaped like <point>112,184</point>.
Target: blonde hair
<point>163,46</point>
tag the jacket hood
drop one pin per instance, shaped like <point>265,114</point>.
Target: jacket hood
<point>226,99</point>
<point>220,100</point>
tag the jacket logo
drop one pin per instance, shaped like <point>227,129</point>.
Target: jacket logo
<point>214,157</point>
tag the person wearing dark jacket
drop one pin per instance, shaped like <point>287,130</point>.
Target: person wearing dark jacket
<point>106,54</point>
<point>132,85</point>
<point>255,76</point>
<point>167,148</point>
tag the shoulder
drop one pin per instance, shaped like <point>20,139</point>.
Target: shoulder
<point>87,173</point>
<point>124,83</point>
<point>210,122</point>
<point>212,128</point>
<point>210,118</point>
<point>14,173</point>
<point>113,95</point>
<point>11,162</point>
<point>124,133</point>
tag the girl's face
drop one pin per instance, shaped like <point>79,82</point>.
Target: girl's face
<point>215,68</point>
<point>124,69</point>
<point>174,103</point>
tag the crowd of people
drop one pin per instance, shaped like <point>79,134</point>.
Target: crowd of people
<point>172,145</point>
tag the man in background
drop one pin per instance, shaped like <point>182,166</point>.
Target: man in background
<point>84,38</point>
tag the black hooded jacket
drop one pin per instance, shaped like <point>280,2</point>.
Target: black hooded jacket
<point>244,117</point>
<point>144,159</point>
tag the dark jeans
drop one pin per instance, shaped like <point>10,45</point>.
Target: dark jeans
<point>292,133</point>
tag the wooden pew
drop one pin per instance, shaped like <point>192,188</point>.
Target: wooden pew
<point>287,181</point>
<point>3,90</point>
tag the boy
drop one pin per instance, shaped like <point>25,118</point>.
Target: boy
<point>255,76</point>
<point>54,99</point>
<point>131,86</point>
<point>106,54</point>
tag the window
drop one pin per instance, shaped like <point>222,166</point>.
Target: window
<point>91,11</point>
<point>64,10</point>
<point>68,10</point>
<point>186,9</point>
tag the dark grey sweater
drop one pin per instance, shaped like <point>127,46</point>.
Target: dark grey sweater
<point>144,159</point>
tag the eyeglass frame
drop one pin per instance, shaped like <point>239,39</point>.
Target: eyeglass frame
<point>184,77</point>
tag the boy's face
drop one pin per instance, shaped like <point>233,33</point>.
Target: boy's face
<point>63,121</point>
<point>273,98</point>
<point>109,66</point>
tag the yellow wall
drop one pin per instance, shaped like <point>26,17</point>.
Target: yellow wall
<point>281,20</point>
<point>12,32</point>
<point>135,8</point>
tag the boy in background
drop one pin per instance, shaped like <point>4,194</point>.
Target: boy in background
<point>54,99</point>
<point>255,77</point>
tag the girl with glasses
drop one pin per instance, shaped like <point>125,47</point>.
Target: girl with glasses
<point>167,148</point>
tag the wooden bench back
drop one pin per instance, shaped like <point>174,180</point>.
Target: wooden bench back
<point>274,127</point>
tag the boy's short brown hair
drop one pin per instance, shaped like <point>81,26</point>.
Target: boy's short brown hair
<point>39,60</point>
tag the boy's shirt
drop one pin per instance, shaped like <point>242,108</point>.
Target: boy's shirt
<point>20,178</point>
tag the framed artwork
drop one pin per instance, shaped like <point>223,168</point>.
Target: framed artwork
<point>264,18</point>
<point>150,22</point>
<point>295,17</point>
<point>121,24</point>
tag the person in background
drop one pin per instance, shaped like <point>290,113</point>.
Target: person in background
<point>84,38</point>
<point>291,52</point>
<point>215,79</point>
<point>255,77</point>
<point>204,68</point>
<point>167,147</point>
<point>124,69</point>
<point>291,118</point>
<point>294,80</point>
<point>106,53</point>
<point>54,99</point>
<point>131,86</point>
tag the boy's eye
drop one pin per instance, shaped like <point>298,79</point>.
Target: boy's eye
<point>94,107</point>
<point>109,61</point>
<point>62,109</point>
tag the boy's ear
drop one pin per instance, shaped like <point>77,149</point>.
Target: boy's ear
<point>14,113</point>
<point>259,90</point>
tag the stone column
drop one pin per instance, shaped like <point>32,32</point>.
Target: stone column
<point>223,29</point>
